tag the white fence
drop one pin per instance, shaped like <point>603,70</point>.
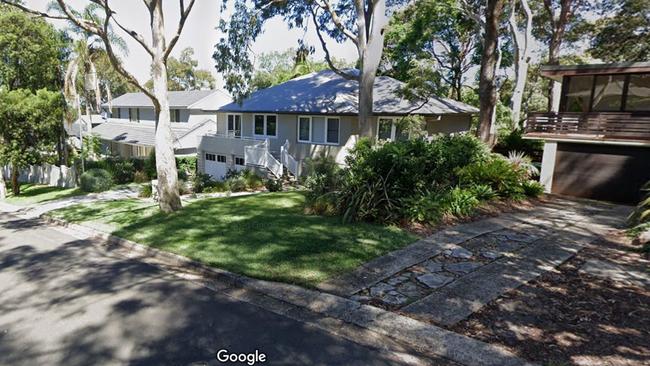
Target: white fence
<point>47,174</point>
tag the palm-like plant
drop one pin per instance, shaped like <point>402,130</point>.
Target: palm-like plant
<point>641,215</point>
<point>522,161</point>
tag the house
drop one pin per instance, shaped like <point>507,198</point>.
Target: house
<point>281,126</point>
<point>598,144</point>
<point>129,130</point>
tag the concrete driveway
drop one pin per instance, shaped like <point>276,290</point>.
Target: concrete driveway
<point>64,301</point>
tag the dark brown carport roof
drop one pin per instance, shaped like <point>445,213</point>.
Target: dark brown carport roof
<point>558,71</point>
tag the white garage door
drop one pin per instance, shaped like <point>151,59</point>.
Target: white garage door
<point>216,166</point>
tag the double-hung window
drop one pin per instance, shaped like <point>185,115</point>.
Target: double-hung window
<point>332,131</point>
<point>234,125</point>
<point>175,115</point>
<point>304,129</point>
<point>265,125</point>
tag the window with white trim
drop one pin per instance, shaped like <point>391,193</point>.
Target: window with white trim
<point>234,125</point>
<point>304,129</point>
<point>332,130</point>
<point>265,125</point>
<point>239,161</point>
<point>389,129</point>
<point>221,158</point>
<point>175,115</point>
<point>210,157</point>
<point>134,114</point>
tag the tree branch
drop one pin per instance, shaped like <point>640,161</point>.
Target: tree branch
<point>135,35</point>
<point>32,11</point>
<point>328,58</point>
<point>327,5</point>
<point>185,12</point>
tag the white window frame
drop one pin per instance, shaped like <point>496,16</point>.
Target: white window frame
<point>338,137</point>
<point>239,157</point>
<point>265,134</point>
<point>311,122</point>
<point>393,127</point>
<point>241,122</point>
<point>209,156</point>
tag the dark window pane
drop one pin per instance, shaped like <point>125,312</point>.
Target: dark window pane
<point>304,133</point>
<point>333,130</point>
<point>385,129</point>
<point>271,125</point>
<point>608,93</point>
<point>259,124</point>
<point>638,93</point>
<point>579,94</point>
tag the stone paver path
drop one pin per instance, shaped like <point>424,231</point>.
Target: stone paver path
<point>446,277</point>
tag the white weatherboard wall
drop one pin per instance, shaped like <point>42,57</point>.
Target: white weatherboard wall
<point>548,165</point>
<point>47,174</point>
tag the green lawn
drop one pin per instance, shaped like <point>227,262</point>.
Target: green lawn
<point>37,193</point>
<point>265,235</point>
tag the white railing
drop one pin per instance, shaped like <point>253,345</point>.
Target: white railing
<point>289,161</point>
<point>257,154</point>
<point>273,165</point>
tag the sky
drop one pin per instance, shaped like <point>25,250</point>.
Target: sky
<point>199,33</point>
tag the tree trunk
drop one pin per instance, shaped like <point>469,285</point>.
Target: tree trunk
<point>522,58</point>
<point>15,186</point>
<point>98,91</point>
<point>370,46</point>
<point>489,63</point>
<point>169,198</point>
<point>3,187</point>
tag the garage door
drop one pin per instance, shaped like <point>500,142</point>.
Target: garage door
<point>216,166</point>
<point>603,172</point>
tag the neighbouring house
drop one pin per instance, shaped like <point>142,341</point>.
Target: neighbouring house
<point>277,128</point>
<point>598,144</point>
<point>129,129</point>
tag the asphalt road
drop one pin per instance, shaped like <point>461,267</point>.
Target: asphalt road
<point>64,301</point>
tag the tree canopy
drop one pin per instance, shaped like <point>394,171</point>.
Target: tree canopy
<point>624,33</point>
<point>183,73</point>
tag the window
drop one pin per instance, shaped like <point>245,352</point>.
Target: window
<point>210,157</point>
<point>332,135</point>
<point>221,158</point>
<point>578,94</point>
<point>234,125</point>
<point>389,129</point>
<point>265,125</point>
<point>304,129</point>
<point>608,93</point>
<point>134,114</point>
<point>115,113</point>
<point>638,93</point>
<point>175,115</point>
<point>239,161</point>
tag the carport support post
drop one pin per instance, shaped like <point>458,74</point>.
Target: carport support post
<point>548,165</point>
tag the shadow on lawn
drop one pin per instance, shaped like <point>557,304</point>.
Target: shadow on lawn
<point>70,303</point>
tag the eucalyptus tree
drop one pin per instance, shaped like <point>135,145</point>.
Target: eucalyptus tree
<point>361,22</point>
<point>623,32</point>
<point>159,50</point>
<point>522,36</point>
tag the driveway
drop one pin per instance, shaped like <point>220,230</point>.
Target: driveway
<point>66,302</point>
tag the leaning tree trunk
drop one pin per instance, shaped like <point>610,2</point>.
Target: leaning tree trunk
<point>168,196</point>
<point>370,46</point>
<point>489,63</point>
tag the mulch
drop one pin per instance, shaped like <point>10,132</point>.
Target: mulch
<point>566,317</point>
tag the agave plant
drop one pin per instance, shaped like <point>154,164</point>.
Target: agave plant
<point>523,162</point>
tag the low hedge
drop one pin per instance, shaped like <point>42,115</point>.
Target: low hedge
<point>96,180</point>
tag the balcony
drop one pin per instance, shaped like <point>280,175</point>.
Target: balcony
<point>604,126</point>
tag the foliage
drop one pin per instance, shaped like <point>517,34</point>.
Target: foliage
<point>273,185</point>
<point>30,126</point>
<point>216,187</point>
<point>323,176</point>
<point>514,141</point>
<point>183,187</point>
<point>140,177</point>
<point>430,44</point>
<point>623,32</point>
<point>96,180</point>
<point>186,166</point>
<point>182,74</point>
<point>533,188</point>
<point>123,170</point>
<point>431,207</point>
<point>201,182</point>
<point>150,165</point>
<point>641,214</point>
<point>522,162</point>
<point>32,51</point>
<point>503,177</point>
<point>145,191</point>
<point>236,184</point>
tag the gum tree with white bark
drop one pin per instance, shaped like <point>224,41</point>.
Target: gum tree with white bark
<point>522,36</point>
<point>159,50</point>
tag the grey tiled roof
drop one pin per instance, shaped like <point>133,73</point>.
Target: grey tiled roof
<point>177,99</point>
<point>132,133</point>
<point>326,92</point>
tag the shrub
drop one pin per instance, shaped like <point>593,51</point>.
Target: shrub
<point>323,175</point>
<point>186,166</point>
<point>459,202</point>
<point>273,185</point>
<point>96,180</point>
<point>140,177</point>
<point>216,187</point>
<point>323,205</point>
<point>514,141</point>
<point>145,191</point>
<point>523,162</point>
<point>533,188</point>
<point>149,165</point>
<point>236,184</point>
<point>253,181</point>
<point>431,207</point>
<point>123,171</point>
<point>201,182</point>
<point>483,192</point>
<point>503,177</point>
